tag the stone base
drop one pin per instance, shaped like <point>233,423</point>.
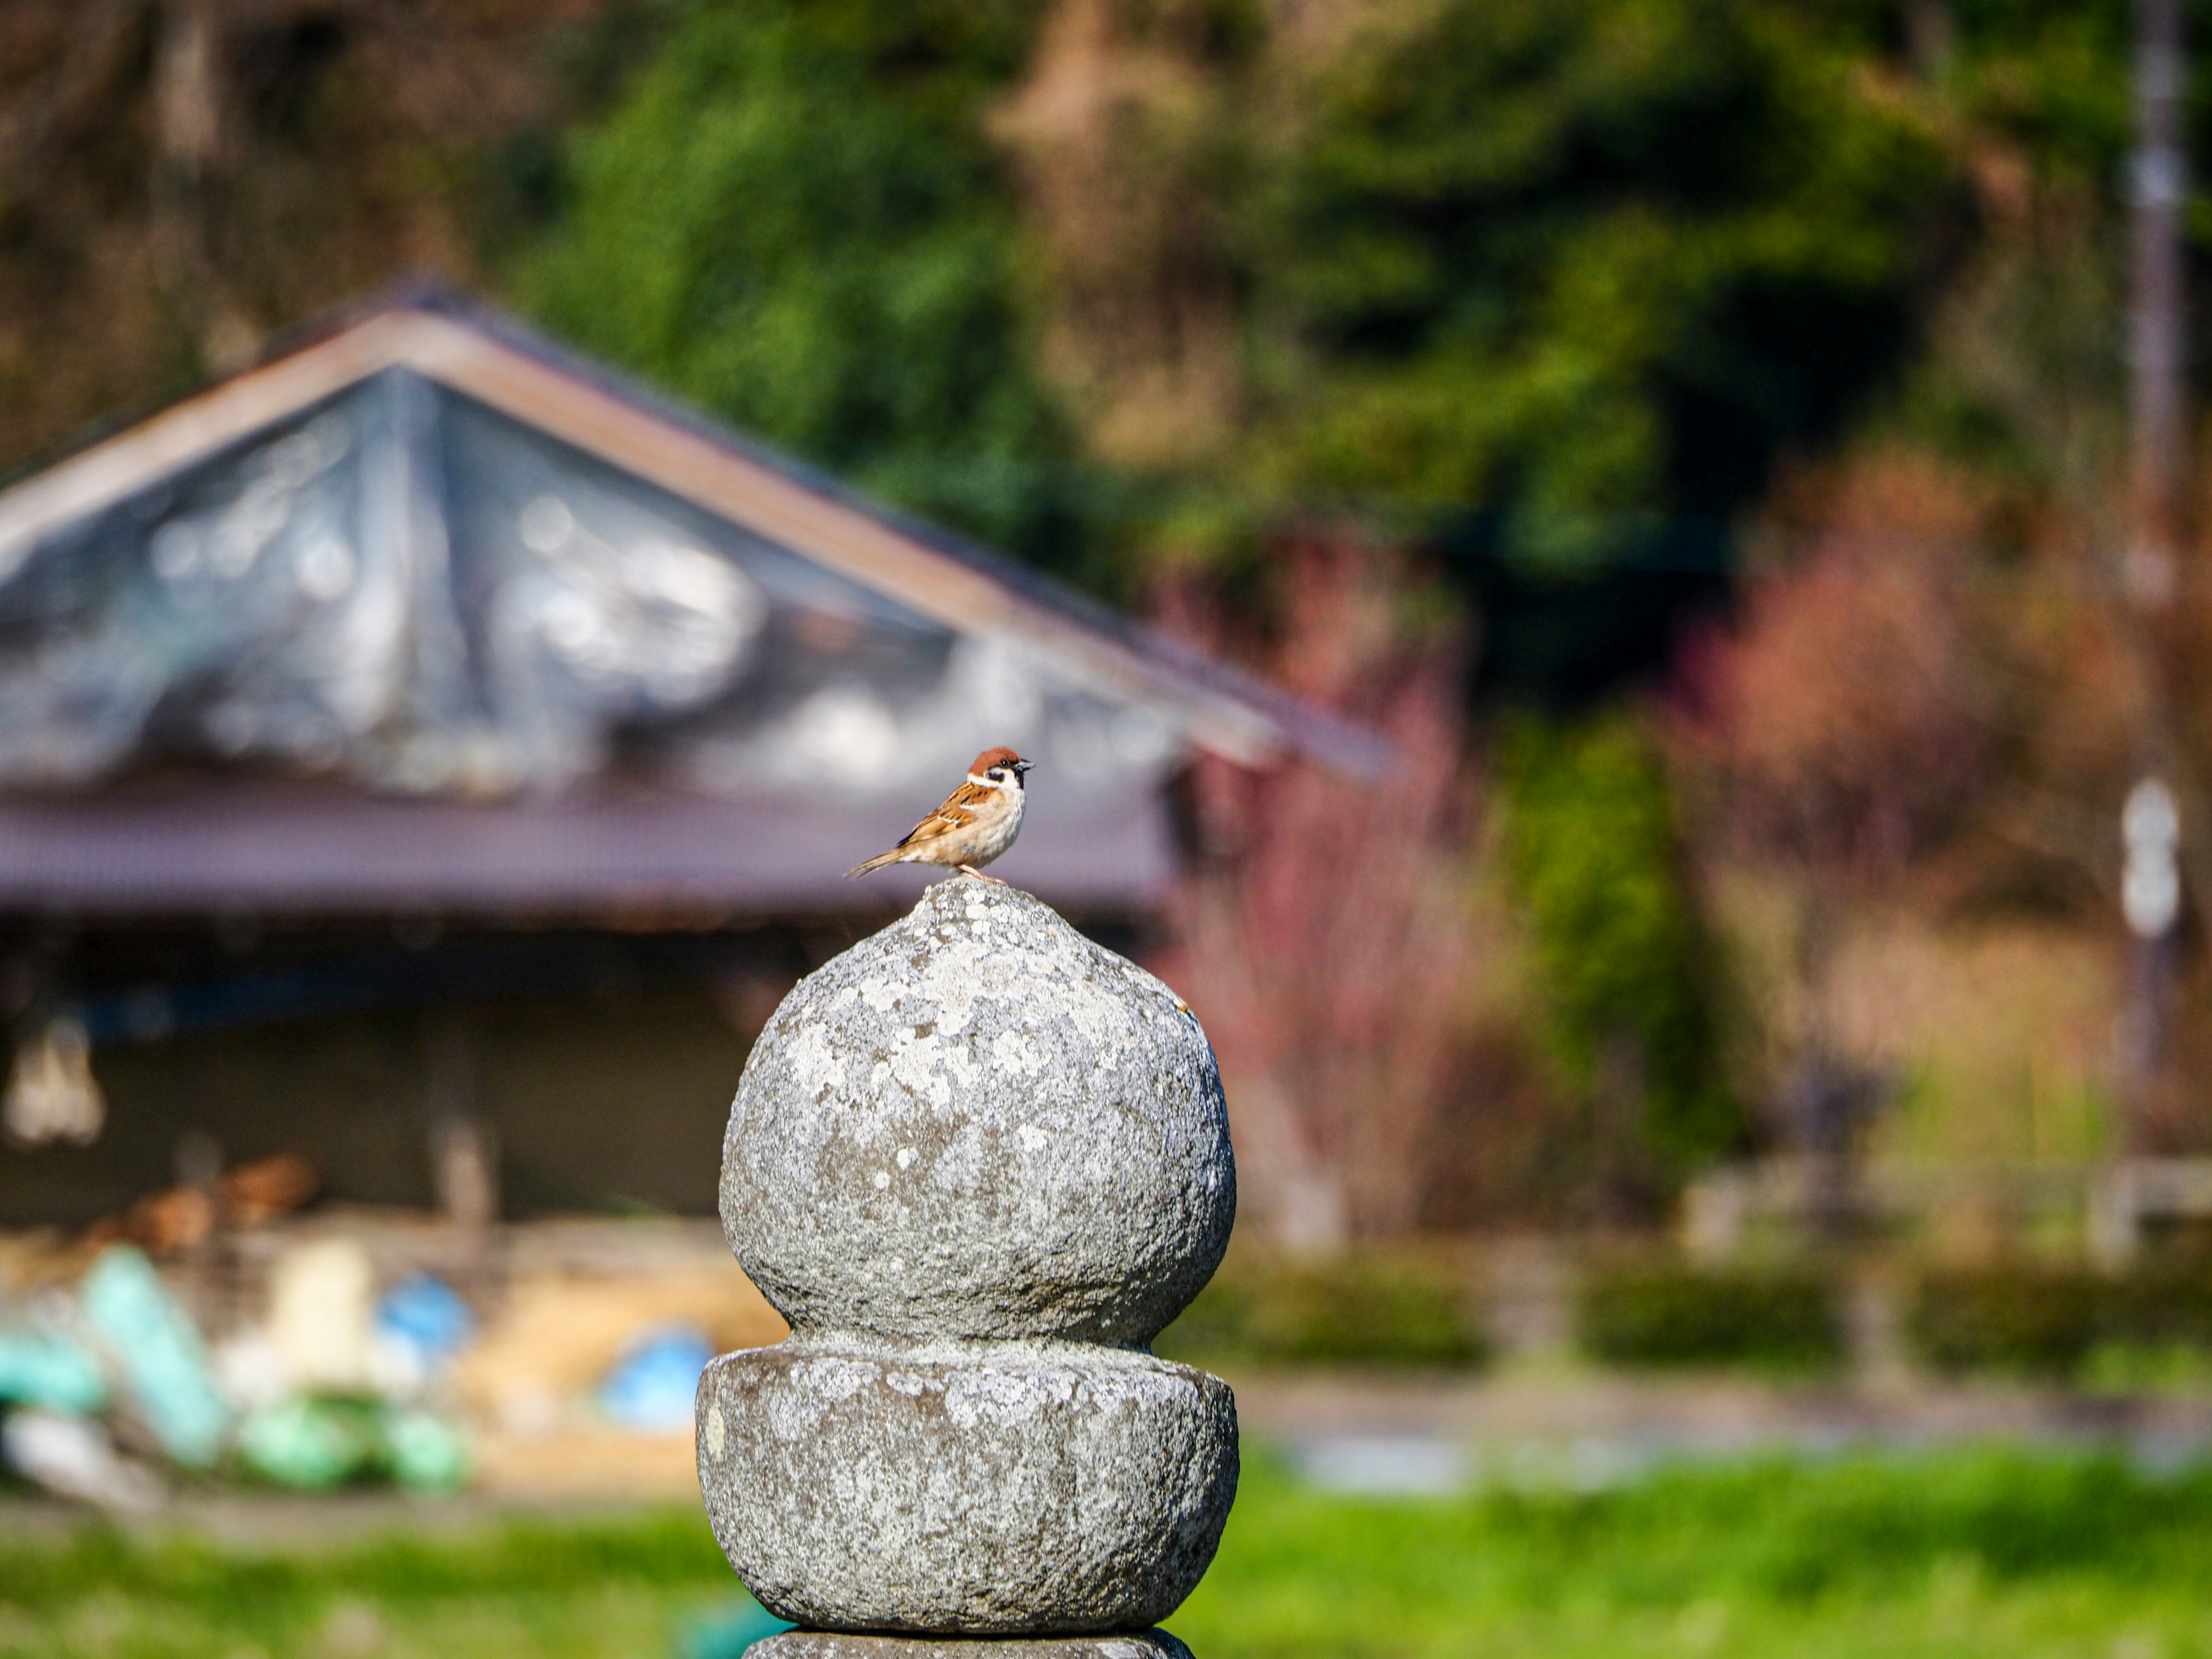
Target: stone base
<point>830,1644</point>
<point>999,1488</point>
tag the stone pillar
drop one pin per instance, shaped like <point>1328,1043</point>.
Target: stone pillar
<point>978,1161</point>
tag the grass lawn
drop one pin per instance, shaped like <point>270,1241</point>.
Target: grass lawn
<point>1980,1554</point>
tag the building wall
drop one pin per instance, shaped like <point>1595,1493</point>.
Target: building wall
<point>605,1098</point>
<point>602,1061</point>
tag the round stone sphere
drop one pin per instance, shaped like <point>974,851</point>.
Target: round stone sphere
<point>979,1124</point>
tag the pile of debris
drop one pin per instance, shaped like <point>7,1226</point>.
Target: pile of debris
<point>111,1394</point>
<point>311,1351</point>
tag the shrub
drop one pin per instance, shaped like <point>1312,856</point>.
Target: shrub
<point>2018,1316</point>
<point>1625,971</point>
<point>1660,1313</point>
<point>2044,1320</point>
<point>1361,1309</point>
<point>2161,1304</point>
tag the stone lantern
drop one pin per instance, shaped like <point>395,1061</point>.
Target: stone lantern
<point>978,1161</point>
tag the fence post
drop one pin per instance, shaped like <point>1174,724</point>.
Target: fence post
<point>978,1161</point>
<point>2115,1222</point>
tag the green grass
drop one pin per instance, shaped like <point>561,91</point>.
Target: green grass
<point>1961,1554</point>
<point>526,1590</point>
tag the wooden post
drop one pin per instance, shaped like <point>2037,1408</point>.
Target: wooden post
<point>464,1153</point>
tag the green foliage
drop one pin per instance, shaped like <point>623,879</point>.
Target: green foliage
<point>1592,262</point>
<point>1663,1312</point>
<point>1595,262</point>
<point>546,1591</point>
<point>2050,1320</point>
<point>1624,969</point>
<point>2018,1317</point>
<point>1947,1553</point>
<point>2023,376</point>
<point>670,1548</point>
<point>1368,1307</point>
<point>794,217</point>
<point>2053,80</point>
<point>1952,1554</point>
<point>2161,1301</point>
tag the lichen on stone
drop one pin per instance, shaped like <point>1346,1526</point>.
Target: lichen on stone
<point>978,1161</point>
<point>1032,1126</point>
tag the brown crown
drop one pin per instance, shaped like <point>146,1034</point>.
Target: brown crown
<point>1001,756</point>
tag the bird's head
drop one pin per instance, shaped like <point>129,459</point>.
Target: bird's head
<point>1001,766</point>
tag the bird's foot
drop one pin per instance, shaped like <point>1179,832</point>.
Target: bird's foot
<point>970,870</point>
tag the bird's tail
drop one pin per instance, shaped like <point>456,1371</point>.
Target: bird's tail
<point>876,863</point>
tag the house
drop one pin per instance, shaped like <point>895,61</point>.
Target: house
<point>425,727</point>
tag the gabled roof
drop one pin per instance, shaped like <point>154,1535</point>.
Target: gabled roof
<point>498,363</point>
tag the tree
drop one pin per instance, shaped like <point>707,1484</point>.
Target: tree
<point>1589,264</point>
<point>183,177</point>
<point>795,218</point>
<point>1627,974</point>
<point>1330,935</point>
<point>1573,274</point>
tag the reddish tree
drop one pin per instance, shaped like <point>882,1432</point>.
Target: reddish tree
<point>1843,720</point>
<point>1917,689</point>
<point>1325,935</point>
<point>1923,701</point>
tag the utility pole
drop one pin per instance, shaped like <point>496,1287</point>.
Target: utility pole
<point>2158,185</point>
<point>2158,189</point>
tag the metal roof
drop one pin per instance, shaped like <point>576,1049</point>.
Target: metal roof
<point>423,612</point>
<point>495,360</point>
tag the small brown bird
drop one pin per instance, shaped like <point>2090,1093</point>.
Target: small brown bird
<point>978,821</point>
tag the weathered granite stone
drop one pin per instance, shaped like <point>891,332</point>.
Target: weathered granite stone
<point>993,1487</point>
<point>831,1644</point>
<point>977,1161</point>
<point>979,1124</point>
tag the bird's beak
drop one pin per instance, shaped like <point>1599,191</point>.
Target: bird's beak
<point>1024,766</point>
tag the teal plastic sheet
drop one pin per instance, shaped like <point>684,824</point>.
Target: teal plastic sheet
<point>312,1443</point>
<point>425,1453</point>
<point>308,1443</point>
<point>158,1350</point>
<point>44,1370</point>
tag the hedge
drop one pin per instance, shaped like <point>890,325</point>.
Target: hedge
<point>1361,1309</point>
<point>1668,1313</point>
<point>2042,1319</point>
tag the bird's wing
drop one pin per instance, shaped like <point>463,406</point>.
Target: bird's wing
<point>957,812</point>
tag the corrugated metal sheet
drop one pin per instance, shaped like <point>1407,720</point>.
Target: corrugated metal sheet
<point>426,613</point>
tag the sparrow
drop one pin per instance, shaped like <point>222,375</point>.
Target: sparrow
<point>978,821</point>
